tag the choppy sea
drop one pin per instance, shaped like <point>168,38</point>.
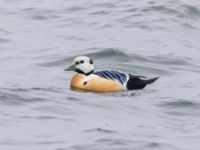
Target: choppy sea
<point>39,38</point>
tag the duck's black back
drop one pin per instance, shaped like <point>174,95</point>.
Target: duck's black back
<point>135,82</point>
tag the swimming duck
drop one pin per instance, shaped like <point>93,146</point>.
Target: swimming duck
<point>105,80</point>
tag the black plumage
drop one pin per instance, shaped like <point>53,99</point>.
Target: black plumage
<point>136,82</point>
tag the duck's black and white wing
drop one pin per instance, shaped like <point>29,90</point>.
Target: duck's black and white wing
<point>118,76</point>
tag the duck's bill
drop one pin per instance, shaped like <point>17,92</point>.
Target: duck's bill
<point>70,68</point>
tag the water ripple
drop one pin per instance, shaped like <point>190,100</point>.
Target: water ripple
<point>38,39</point>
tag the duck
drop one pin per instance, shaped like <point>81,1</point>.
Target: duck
<point>87,79</point>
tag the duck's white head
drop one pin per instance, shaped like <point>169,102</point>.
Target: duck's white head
<point>83,65</point>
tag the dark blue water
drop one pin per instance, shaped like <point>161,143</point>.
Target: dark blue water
<point>38,39</point>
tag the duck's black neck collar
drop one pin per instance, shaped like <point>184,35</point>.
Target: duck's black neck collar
<point>87,74</point>
<point>81,72</point>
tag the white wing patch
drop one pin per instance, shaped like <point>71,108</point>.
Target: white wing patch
<point>119,76</point>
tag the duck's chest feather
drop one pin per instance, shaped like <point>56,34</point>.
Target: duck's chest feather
<point>95,83</point>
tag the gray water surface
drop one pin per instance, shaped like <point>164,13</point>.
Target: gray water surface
<point>38,39</point>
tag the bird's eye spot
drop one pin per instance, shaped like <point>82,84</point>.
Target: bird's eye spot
<point>81,61</point>
<point>76,63</point>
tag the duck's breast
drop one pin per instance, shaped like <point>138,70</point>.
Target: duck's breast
<point>95,83</point>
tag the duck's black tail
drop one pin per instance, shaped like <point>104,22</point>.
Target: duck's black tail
<point>135,82</point>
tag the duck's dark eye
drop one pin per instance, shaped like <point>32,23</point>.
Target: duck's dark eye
<point>81,61</point>
<point>76,63</point>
